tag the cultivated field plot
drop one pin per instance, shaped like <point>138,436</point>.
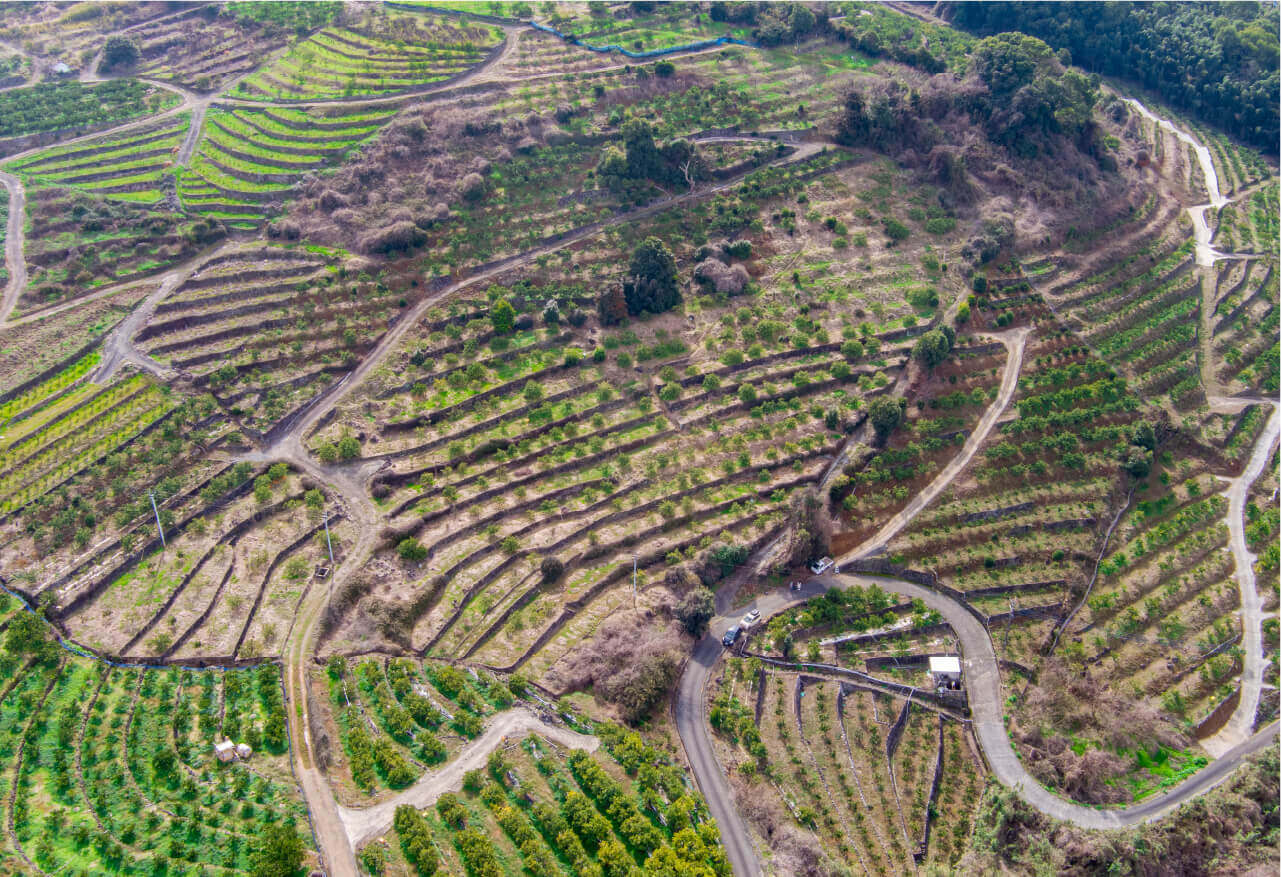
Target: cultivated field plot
<point>249,160</point>
<point>125,167</point>
<point>265,328</point>
<point>206,48</point>
<point>536,808</point>
<point>1244,321</point>
<point>73,108</point>
<point>81,243</point>
<point>395,718</point>
<point>73,31</point>
<point>113,770</point>
<point>241,552</point>
<point>387,53</point>
<point>866,776</point>
<point>594,454</point>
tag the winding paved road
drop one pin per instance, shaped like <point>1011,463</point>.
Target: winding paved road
<point>1241,723</point>
<point>983,681</point>
<point>982,670</point>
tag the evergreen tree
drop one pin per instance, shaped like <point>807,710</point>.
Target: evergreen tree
<point>651,286</point>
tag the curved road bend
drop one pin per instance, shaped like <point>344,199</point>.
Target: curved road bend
<point>982,674</point>
<point>983,683</point>
<point>691,698</point>
<point>1239,725</point>
<point>691,727</point>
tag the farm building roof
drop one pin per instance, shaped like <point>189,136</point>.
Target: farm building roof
<point>945,664</point>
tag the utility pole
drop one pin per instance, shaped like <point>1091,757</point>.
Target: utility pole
<point>329,599</point>
<point>159,528</point>
<point>634,606</point>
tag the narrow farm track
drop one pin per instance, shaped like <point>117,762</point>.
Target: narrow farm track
<point>363,824</point>
<point>14,246</point>
<point>1015,341</point>
<point>118,349</point>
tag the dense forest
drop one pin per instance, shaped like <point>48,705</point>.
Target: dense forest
<point>1216,60</point>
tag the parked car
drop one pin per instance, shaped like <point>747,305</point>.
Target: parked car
<point>750,619</point>
<point>730,635</point>
<point>822,565</point>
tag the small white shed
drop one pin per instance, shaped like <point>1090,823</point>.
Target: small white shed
<point>225,751</point>
<point>946,671</point>
<point>243,751</point>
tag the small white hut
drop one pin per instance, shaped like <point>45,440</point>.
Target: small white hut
<point>225,751</point>
<point>946,671</point>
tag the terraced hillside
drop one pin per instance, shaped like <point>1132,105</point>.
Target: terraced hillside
<point>81,243</point>
<point>249,160</point>
<point>111,769</point>
<point>130,167</point>
<point>393,53</point>
<point>208,47</point>
<point>414,394</point>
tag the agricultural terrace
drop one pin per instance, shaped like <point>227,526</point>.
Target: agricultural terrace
<point>535,808</point>
<point>15,68</point>
<point>249,160</point>
<point>243,548</point>
<point>80,242</point>
<point>880,781</point>
<point>73,108</point>
<point>597,457</point>
<point>72,32</point>
<point>386,53</point>
<point>452,366</point>
<point>206,48</point>
<point>264,328</point>
<point>113,769</point>
<point>53,342</point>
<point>762,392</point>
<point>131,167</point>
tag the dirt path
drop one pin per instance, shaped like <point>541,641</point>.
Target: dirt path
<point>363,824</point>
<point>14,244</point>
<point>1241,724</point>
<point>118,349</point>
<point>335,850</point>
<point>1014,341</point>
